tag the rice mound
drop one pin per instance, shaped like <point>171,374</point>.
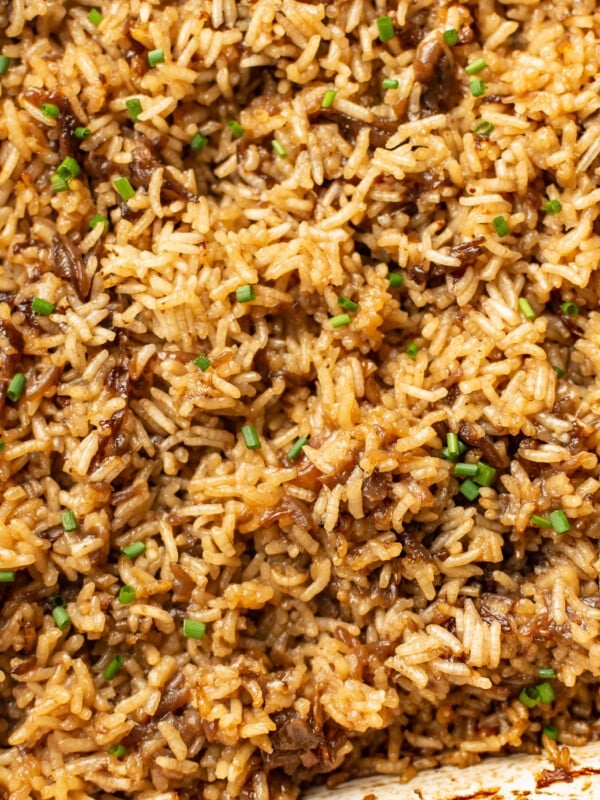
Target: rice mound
<point>365,609</point>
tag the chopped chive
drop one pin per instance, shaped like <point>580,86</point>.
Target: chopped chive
<point>462,448</point>
<point>68,168</point>
<point>526,308</point>
<point>385,27</point>
<point>553,207</point>
<point>279,148</point>
<point>539,522</point>
<point>412,349</point>
<point>501,226</point>
<point>82,133</point>
<point>465,470</point>
<point>390,83</point>
<point>396,280</point>
<point>59,184</point>
<point>134,106</point>
<point>551,731</point>
<point>98,219</point>
<point>486,475</point>
<point>126,595</point>
<point>156,56</point>
<point>452,445</point>
<point>50,110</point>
<point>560,372</point>
<point>250,437</point>
<point>69,521</point>
<point>7,575</point>
<point>245,294</point>
<point>484,128</point>
<point>2,445</point>
<point>546,692</point>
<point>124,188</point>
<point>192,629</point>
<point>570,309</point>
<point>236,129</point>
<point>114,666</point>
<point>61,617</point>
<point>529,696</point>
<point>95,17</point>
<point>42,307</point>
<point>296,448</point>
<point>451,37</point>
<point>134,549</point>
<point>339,320</point>
<point>559,521</point>
<point>469,489</point>
<point>477,87</point>
<point>198,141</point>
<point>15,387</point>
<point>547,672</point>
<point>117,750</point>
<point>328,98</point>
<point>202,362</point>
<point>4,64</point>
<point>346,303</point>
<point>475,66</point>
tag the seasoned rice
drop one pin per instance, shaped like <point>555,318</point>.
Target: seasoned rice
<point>356,604</point>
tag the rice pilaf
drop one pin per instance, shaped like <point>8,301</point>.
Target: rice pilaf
<point>299,346</point>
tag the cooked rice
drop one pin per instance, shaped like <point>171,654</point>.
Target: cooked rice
<point>361,614</point>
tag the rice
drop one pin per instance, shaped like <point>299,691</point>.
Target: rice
<point>356,605</point>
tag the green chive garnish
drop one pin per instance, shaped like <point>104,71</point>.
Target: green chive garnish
<point>412,349</point>
<point>328,98</point>
<point>477,87</point>
<point>279,148</point>
<point>126,595</point>
<point>539,522</point>
<point>485,475</point>
<point>59,184</point>
<point>547,672</point>
<point>526,308</point>
<point>61,617</point>
<point>465,470</point>
<point>529,696</point>
<point>202,362</point>
<point>82,133</point>
<point>451,37</point>
<point>339,320</point>
<point>192,629</point>
<point>462,448</point>
<point>551,731</point>
<point>134,106</point>
<point>4,64</point>
<point>570,309</point>
<point>124,188</point>
<point>156,56</point>
<point>553,207</point>
<point>484,128</point>
<point>475,66</point>
<point>560,372</point>
<point>559,521</point>
<point>114,666</point>
<point>98,219</point>
<point>385,27</point>
<point>452,445</point>
<point>236,129</point>
<point>346,303</point>
<point>250,437</point>
<point>469,489</point>
<point>2,445</point>
<point>117,750</point>
<point>501,226</point>
<point>545,692</point>
<point>245,294</point>
<point>42,307</point>
<point>296,448</point>
<point>396,280</point>
<point>95,17</point>
<point>134,550</point>
<point>15,387</point>
<point>69,521</point>
<point>50,110</point>
<point>7,575</point>
<point>198,141</point>
<point>67,169</point>
<point>390,83</point>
